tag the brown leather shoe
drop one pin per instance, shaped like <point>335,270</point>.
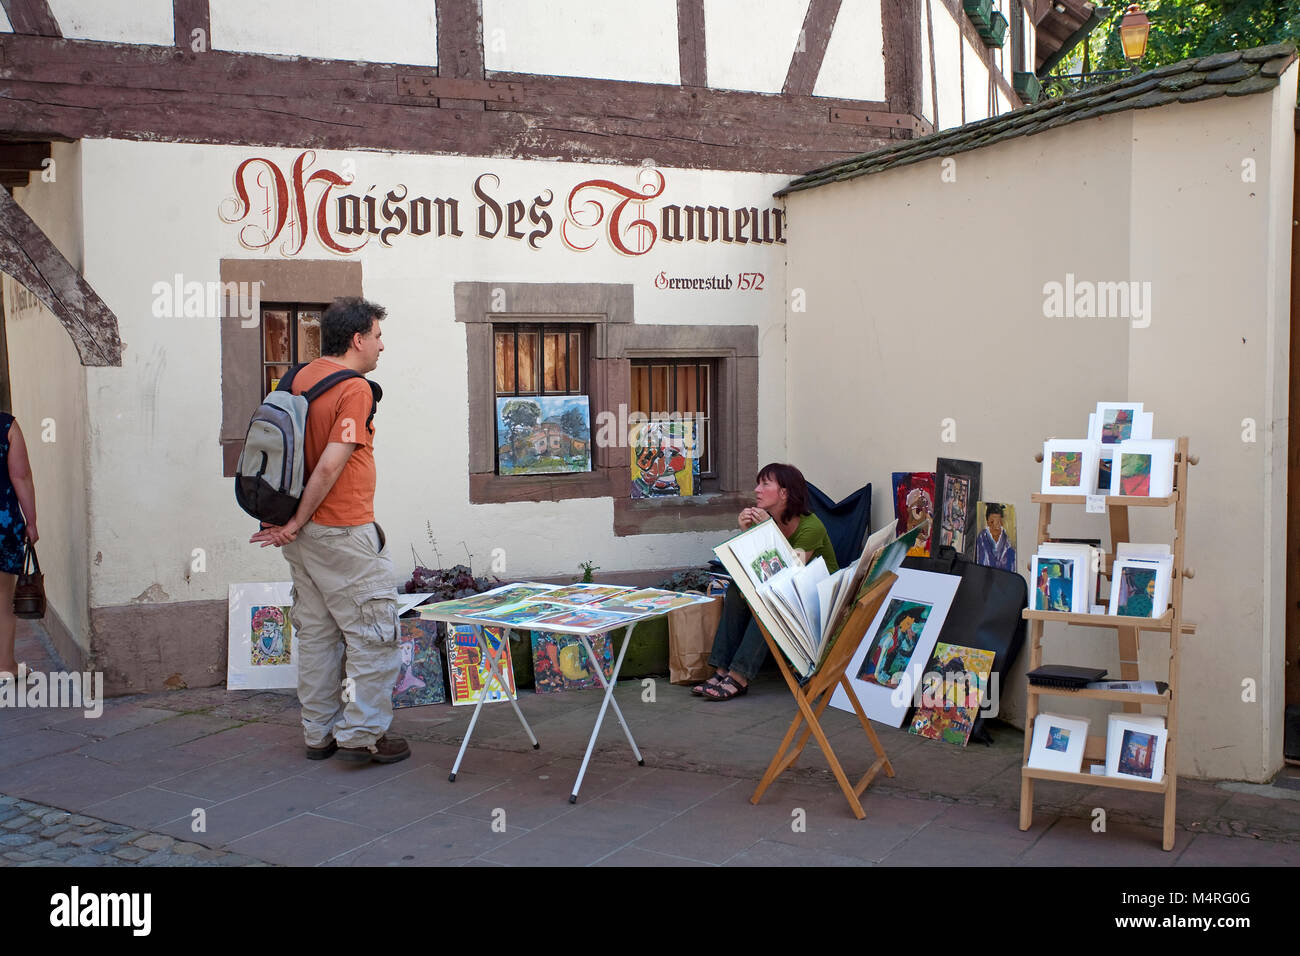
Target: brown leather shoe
<point>387,749</point>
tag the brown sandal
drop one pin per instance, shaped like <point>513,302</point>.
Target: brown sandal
<point>726,689</point>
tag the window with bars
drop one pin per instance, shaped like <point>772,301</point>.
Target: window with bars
<point>535,359</point>
<point>684,388</point>
<point>290,335</point>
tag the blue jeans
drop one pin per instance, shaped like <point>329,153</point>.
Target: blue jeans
<point>738,645</point>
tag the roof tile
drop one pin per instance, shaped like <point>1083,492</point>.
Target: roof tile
<point>1235,73</point>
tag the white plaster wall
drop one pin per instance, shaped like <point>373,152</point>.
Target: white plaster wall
<point>1132,188</point>
<point>854,65</point>
<point>947,47</point>
<point>749,45</point>
<point>1216,353</point>
<point>48,387</point>
<point>5,25</point>
<point>163,406</point>
<point>632,40</point>
<point>117,21</point>
<point>381,31</point>
<point>976,77</point>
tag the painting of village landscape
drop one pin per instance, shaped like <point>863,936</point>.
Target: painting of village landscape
<point>543,435</point>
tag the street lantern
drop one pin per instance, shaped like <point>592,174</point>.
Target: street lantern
<point>1133,30</point>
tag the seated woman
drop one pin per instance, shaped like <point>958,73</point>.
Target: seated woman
<point>738,648</point>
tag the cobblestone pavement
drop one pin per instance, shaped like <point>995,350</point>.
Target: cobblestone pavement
<point>36,835</point>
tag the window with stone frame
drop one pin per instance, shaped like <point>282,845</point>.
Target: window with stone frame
<point>290,336</point>
<point>680,389</point>
<point>539,360</point>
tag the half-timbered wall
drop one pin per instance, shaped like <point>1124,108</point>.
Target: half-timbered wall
<point>48,390</point>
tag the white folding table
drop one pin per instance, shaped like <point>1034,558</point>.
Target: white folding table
<point>495,661</point>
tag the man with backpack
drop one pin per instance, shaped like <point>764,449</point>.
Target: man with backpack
<point>344,595</point>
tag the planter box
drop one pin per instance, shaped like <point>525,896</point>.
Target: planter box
<point>996,33</point>
<point>980,13</point>
<point>1028,86</point>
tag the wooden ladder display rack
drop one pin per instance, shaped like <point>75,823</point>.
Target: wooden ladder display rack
<point>812,698</point>
<point>1128,630</point>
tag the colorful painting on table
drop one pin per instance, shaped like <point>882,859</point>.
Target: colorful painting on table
<point>953,685</point>
<point>1054,589</point>
<point>665,459</point>
<point>586,593</point>
<point>560,662</point>
<point>995,545</point>
<point>652,599</point>
<point>914,505</point>
<point>524,613</point>
<point>497,597</point>
<point>543,435</point>
<point>586,619</point>
<point>419,681</point>
<point>468,670</point>
<point>272,636</point>
<point>895,641</point>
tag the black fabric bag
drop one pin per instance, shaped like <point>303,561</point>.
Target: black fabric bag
<point>985,613</point>
<point>846,521</point>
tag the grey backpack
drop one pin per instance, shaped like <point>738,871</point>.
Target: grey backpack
<point>271,473</point>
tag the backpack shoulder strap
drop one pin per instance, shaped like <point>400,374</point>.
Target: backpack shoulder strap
<point>328,382</point>
<point>286,381</point>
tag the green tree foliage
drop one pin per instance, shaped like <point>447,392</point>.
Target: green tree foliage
<point>1193,28</point>
<point>574,423</point>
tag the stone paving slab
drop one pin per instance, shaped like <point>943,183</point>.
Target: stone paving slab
<point>123,790</point>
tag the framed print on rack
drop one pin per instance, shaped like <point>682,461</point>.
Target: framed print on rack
<point>263,650</point>
<point>1143,468</point>
<point>1135,747</point>
<point>1069,466</point>
<point>890,661</point>
<point>1114,422</point>
<point>1059,743</point>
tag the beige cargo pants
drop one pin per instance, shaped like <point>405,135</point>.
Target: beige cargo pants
<point>345,619</point>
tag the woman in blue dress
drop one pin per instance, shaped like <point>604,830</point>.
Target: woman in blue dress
<point>17,525</point>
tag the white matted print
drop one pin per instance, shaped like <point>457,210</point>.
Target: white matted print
<point>1059,743</point>
<point>263,647</point>
<point>1069,466</point>
<point>1114,422</point>
<point>891,657</point>
<point>1136,748</point>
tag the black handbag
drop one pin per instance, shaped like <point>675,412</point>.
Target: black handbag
<point>29,595</point>
<point>985,613</point>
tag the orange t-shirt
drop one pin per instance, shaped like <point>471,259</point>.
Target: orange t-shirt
<point>340,415</point>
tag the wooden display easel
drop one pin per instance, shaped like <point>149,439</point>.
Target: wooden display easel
<point>822,685</point>
<point>1128,629</point>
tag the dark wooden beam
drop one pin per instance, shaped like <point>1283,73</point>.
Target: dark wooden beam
<point>28,255</point>
<point>806,63</point>
<point>900,23</point>
<point>188,16</point>
<point>22,156</point>
<point>985,55</point>
<point>931,66</point>
<point>460,45</point>
<point>12,177</point>
<point>32,17</point>
<point>75,89</point>
<point>691,43</point>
